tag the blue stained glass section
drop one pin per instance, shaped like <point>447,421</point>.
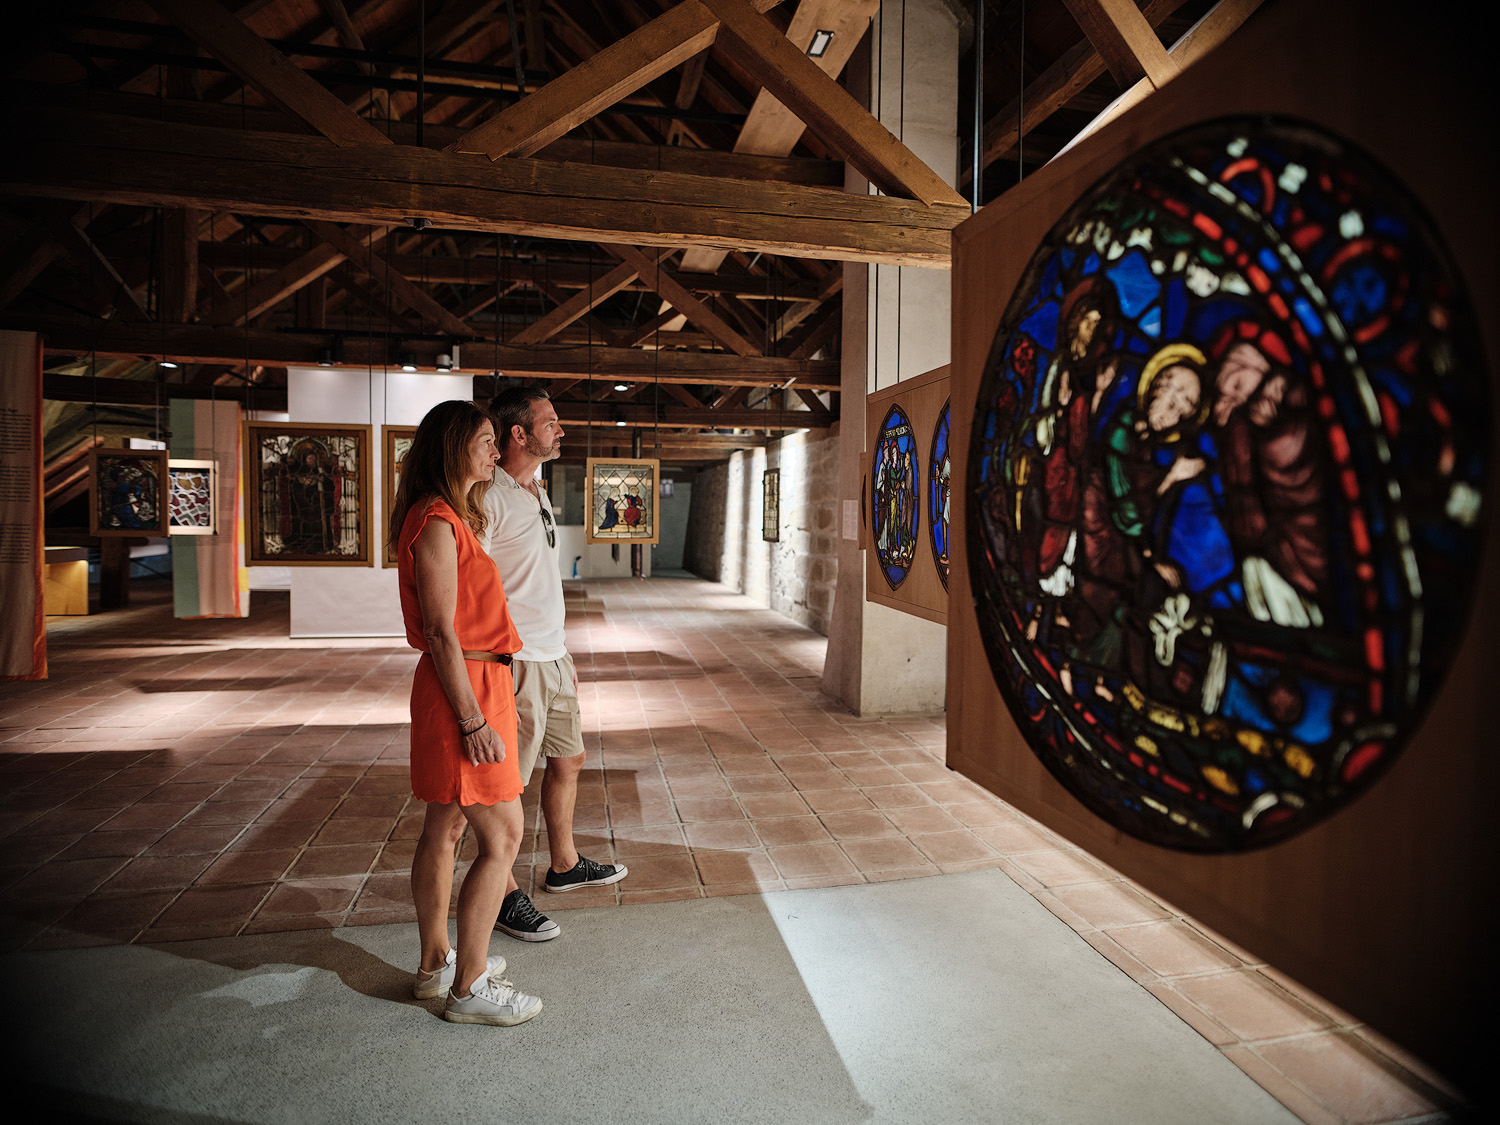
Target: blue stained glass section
<point>1181,510</point>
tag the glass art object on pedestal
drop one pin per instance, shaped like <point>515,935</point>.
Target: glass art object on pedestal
<point>127,492</point>
<point>622,500</point>
<point>894,497</point>
<point>1225,477</point>
<point>396,441</point>
<point>938,474</point>
<point>770,512</point>
<point>190,497</point>
<point>307,494</point>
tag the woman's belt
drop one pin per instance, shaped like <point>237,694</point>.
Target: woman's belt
<point>489,657</point>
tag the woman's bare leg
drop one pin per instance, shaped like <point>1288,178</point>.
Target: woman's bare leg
<point>432,880</point>
<point>497,831</point>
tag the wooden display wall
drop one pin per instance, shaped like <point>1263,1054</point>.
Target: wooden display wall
<point>1387,907</point>
<point>921,399</point>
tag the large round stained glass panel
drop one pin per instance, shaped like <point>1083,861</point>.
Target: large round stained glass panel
<point>1226,473</point>
<point>894,496</point>
<point>938,477</point>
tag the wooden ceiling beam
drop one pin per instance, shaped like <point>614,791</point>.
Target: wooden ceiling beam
<point>64,224</point>
<point>595,84</point>
<point>576,150</point>
<point>179,256</point>
<point>684,302</point>
<point>270,291</point>
<point>584,301</point>
<point>1221,21</point>
<point>825,106</point>
<point>260,65</point>
<point>770,128</point>
<point>1054,88</point>
<point>644,414</point>
<point>414,296</point>
<point>201,343</point>
<point>71,155</point>
<point>1124,40</point>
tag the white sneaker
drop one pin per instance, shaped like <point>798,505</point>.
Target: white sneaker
<point>427,985</point>
<point>493,1000</point>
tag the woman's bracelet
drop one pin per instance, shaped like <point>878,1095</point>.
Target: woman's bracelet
<point>476,730</point>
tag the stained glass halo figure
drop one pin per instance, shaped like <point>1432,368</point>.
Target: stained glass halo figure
<point>938,475</point>
<point>894,497</point>
<point>1227,461</point>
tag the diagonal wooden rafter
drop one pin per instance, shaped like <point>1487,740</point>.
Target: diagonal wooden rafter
<point>827,108</point>
<point>219,32</point>
<point>1124,40</point>
<point>66,226</point>
<point>1054,88</point>
<point>401,287</point>
<point>596,84</point>
<point>684,302</point>
<point>583,302</point>
<point>770,128</point>
<point>270,291</point>
<point>1221,21</point>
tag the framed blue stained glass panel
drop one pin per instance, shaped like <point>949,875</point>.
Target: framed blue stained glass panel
<point>938,476</point>
<point>894,497</point>
<point>1226,473</point>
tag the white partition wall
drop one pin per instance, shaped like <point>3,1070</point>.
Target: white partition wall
<point>360,601</point>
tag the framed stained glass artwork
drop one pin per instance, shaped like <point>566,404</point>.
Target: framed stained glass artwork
<point>938,477</point>
<point>191,509</point>
<point>1225,484</point>
<point>770,517</point>
<point>894,498</point>
<point>127,492</point>
<point>395,441</point>
<point>622,500</point>
<point>307,498</point>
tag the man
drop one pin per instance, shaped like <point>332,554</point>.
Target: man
<point>523,542</point>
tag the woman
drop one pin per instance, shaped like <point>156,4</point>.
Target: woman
<point>463,716</point>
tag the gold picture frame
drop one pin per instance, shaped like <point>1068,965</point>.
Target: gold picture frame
<point>622,500</point>
<point>394,443</point>
<point>128,492</point>
<point>307,494</point>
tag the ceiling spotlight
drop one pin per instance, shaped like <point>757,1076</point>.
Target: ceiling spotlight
<point>622,386</point>
<point>820,41</point>
<point>408,361</point>
<point>325,357</point>
<point>444,362</point>
<point>167,363</point>
<point>621,422</point>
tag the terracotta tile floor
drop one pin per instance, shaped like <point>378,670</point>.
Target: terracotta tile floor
<point>187,779</point>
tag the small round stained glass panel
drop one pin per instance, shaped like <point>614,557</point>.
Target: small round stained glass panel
<point>894,497</point>
<point>1226,468</point>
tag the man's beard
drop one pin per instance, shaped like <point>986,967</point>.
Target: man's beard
<point>535,448</point>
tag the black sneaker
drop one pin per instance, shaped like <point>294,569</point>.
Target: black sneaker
<point>520,919</point>
<point>585,873</point>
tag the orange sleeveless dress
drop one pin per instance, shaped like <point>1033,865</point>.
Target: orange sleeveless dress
<point>440,770</point>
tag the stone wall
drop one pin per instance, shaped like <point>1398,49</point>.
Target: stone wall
<point>795,575</point>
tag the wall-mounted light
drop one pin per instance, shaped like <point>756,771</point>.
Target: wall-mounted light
<point>819,44</point>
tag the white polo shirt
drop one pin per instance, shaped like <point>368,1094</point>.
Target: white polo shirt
<point>517,541</point>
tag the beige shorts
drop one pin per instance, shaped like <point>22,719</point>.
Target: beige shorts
<point>548,722</point>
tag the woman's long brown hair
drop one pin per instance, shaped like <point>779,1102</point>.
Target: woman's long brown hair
<point>434,466</point>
